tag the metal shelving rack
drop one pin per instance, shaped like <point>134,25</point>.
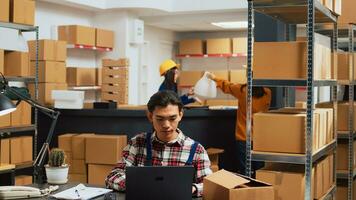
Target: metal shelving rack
<point>293,12</point>
<point>18,130</point>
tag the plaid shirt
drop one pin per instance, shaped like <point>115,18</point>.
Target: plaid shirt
<point>174,153</point>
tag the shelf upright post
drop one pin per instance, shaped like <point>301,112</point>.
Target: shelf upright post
<point>310,95</point>
<point>334,47</point>
<point>249,90</point>
<point>36,91</point>
<point>351,116</point>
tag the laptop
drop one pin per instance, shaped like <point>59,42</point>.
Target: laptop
<point>159,182</point>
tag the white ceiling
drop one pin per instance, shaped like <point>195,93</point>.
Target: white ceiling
<point>176,15</point>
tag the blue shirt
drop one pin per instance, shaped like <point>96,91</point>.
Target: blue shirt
<point>184,98</point>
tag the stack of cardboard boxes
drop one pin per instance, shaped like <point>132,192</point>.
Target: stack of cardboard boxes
<point>88,36</point>
<point>52,55</point>
<point>81,76</point>
<point>289,180</point>
<point>85,155</point>
<point>115,80</point>
<point>270,135</point>
<point>18,11</point>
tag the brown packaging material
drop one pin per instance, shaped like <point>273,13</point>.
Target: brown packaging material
<point>221,74</point>
<point>98,173</point>
<point>76,34</point>
<point>214,168</point>
<point>224,185</point>
<point>5,120</point>
<point>49,71</point>
<point>80,76</point>
<point>80,178</point>
<point>347,12</point>
<point>192,46</point>
<point>21,149</point>
<point>238,76</point>
<point>121,98</point>
<point>22,12</point>
<point>239,45</point>
<point>114,88</point>
<point>104,38</point>
<point>78,167</point>
<point>22,115</point>
<point>213,154</point>
<point>221,102</point>
<point>2,61</point>
<point>343,116</point>
<point>65,142</point>
<point>5,151</point>
<point>189,78</point>
<point>288,180</point>
<point>23,180</point>
<point>68,160</point>
<point>4,10</point>
<point>17,64</point>
<point>122,62</point>
<point>45,91</point>
<point>99,76</point>
<point>109,145</point>
<point>78,146</point>
<point>49,50</point>
<point>341,191</point>
<point>219,46</point>
<point>343,66</point>
<point>342,156</point>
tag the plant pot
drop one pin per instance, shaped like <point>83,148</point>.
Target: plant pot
<point>57,175</point>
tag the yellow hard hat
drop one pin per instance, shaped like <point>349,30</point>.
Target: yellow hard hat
<point>167,65</point>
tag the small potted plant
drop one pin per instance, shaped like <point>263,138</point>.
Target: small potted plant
<point>56,169</point>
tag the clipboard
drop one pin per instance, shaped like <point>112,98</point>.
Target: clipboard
<point>81,192</point>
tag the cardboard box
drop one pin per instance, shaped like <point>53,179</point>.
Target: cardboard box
<point>288,60</point>
<point>224,185</point>
<point>238,76</point>
<point>78,167</point>
<point>343,66</point>
<point>342,156</point>
<point>4,150</point>
<point>221,74</point>
<point>122,81</point>
<point>213,154</point>
<point>49,71</point>
<point>5,120</point>
<point>109,145</point>
<point>68,160</point>
<point>98,173</point>
<point>78,146</point>
<point>343,116</point>
<point>45,91</point>
<point>341,191</point>
<point>22,115</point>
<point>214,168</point>
<point>49,50</point>
<point>80,76</point>
<point>23,180</point>
<point>219,46</point>
<point>17,64</point>
<point>76,34</point>
<point>22,12</point>
<point>269,132</point>
<point>192,46</point>
<point>21,149</point>
<point>104,38</point>
<point>239,45</point>
<point>2,61</point>
<point>121,98</point>
<point>189,78</point>
<point>114,88</point>
<point>5,10</point>
<point>122,62</point>
<point>65,142</point>
<point>222,102</point>
<point>347,12</point>
<point>79,178</point>
<point>99,76</point>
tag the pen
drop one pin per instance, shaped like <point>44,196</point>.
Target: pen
<point>77,192</point>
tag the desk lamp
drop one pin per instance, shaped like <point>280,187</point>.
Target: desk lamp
<point>6,106</point>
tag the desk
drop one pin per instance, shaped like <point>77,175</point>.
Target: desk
<point>212,128</point>
<point>117,195</point>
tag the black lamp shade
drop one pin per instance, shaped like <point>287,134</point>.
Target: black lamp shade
<point>6,105</point>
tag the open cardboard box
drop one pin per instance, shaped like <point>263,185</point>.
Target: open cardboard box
<point>224,185</point>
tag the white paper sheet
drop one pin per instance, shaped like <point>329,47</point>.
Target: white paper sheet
<point>81,192</point>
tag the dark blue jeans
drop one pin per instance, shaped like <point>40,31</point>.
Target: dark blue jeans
<point>241,166</point>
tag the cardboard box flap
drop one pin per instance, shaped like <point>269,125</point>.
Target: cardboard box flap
<point>227,179</point>
<point>212,151</point>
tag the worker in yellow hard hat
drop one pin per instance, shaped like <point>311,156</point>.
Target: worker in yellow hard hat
<point>169,69</point>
